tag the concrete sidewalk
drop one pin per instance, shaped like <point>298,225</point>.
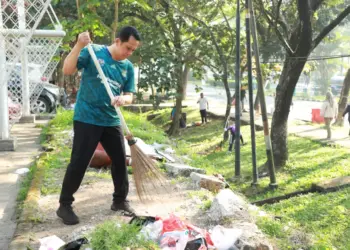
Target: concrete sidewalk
<point>318,132</point>
<point>28,148</point>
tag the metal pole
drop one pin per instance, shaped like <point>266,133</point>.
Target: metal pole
<point>24,59</point>
<point>251,102</point>
<point>4,115</point>
<point>25,79</point>
<point>270,160</point>
<point>238,96</point>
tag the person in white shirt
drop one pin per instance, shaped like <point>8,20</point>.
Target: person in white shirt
<point>329,111</point>
<point>203,106</point>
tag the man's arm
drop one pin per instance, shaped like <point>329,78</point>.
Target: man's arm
<point>70,63</point>
<point>207,105</point>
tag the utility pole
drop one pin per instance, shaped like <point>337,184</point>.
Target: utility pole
<point>269,153</point>
<point>238,95</point>
<point>251,102</point>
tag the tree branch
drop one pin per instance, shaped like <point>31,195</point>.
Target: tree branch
<point>206,63</point>
<point>285,44</point>
<point>331,26</point>
<point>229,27</point>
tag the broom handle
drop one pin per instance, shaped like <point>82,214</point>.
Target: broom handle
<point>108,88</point>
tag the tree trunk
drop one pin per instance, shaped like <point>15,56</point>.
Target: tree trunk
<point>284,93</point>
<point>228,97</point>
<point>174,129</point>
<point>114,25</point>
<point>185,80</point>
<point>60,75</point>
<point>78,8</point>
<point>343,99</point>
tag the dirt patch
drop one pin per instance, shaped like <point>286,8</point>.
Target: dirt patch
<point>92,205</point>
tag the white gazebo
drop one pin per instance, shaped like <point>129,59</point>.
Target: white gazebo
<point>25,60</point>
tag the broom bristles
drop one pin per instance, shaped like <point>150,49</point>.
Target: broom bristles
<point>147,176</point>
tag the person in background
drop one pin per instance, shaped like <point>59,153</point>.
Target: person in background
<point>347,111</point>
<point>329,111</point>
<point>243,96</point>
<point>232,130</point>
<point>203,106</point>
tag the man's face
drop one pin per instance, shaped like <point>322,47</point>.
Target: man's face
<point>125,49</point>
<point>201,95</point>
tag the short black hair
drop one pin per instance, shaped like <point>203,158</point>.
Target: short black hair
<point>126,32</point>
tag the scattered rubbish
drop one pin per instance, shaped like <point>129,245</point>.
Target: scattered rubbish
<point>157,145</point>
<point>173,234</point>
<point>224,238</point>
<point>21,171</point>
<point>51,243</point>
<point>175,240</point>
<point>169,151</point>
<point>75,245</point>
<point>142,220</point>
<point>197,244</point>
<point>166,156</point>
<point>152,231</point>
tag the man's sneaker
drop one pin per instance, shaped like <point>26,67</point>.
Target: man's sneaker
<point>124,207</point>
<point>66,213</point>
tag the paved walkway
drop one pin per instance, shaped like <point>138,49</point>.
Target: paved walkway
<point>28,147</point>
<point>340,135</point>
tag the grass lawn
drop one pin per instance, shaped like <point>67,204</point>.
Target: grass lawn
<point>324,219</point>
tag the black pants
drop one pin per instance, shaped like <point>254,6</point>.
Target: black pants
<point>203,115</point>
<point>232,140</point>
<point>86,138</point>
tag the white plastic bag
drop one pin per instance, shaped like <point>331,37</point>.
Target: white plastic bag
<point>51,243</point>
<point>152,231</point>
<point>175,240</point>
<point>224,238</point>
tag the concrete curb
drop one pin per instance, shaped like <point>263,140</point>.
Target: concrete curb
<point>30,210</point>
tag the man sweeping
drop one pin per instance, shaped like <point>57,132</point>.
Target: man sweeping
<point>95,118</point>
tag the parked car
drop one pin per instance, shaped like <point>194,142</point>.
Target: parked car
<point>50,95</point>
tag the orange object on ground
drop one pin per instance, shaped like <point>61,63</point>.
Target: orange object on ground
<point>316,116</point>
<point>100,158</point>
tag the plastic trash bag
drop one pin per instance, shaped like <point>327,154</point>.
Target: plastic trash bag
<point>174,240</point>
<point>75,245</point>
<point>152,231</point>
<point>224,238</point>
<point>198,233</point>
<point>174,234</point>
<point>197,244</point>
<point>173,223</point>
<point>51,243</point>
<point>142,220</point>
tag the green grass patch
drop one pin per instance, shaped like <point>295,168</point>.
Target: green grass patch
<point>326,217</point>
<point>309,162</point>
<point>119,236</point>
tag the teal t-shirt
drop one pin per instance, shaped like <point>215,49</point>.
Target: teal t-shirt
<point>93,104</point>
